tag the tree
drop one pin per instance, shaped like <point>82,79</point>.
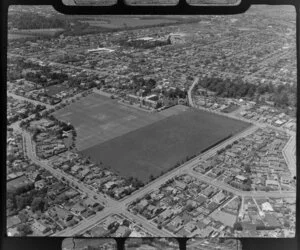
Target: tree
<point>22,202</point>
<point>24,229</point>
<point>23,217</point>
<point>126,223</point>
<point>38,204</point>
<point>151,178</point>
<point>248,169</point>
<point>237,226</point>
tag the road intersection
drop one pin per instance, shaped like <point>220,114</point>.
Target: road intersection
<point>120,207</point>
<point>112,206</point>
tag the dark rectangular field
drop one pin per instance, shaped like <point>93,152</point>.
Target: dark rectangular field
<point>159,146</point>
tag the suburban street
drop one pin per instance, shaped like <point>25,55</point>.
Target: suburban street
<point>18,97</point>
<point>108,80</point>
<point>120,207</point>
<point>190,97</point>
<point>289,153</point>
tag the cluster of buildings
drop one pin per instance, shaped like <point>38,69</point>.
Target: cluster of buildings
<point>48,137</point>
<point>95,176</point>
<point>270,116</point>
<point>267,217</point>
<point>117,225</point>
<point>50,88</point>
<point>39,204</point>
<point>230,53</point>
<point>15,155</point>
<point>255,162</point>
<point>283,69</point>
<point>19,109</point>
<point>183,206</point>
<point>208,100</point>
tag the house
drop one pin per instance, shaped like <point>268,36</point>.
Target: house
<point>39,185</point>
<point>40,227</point>
<point>230,154</point>
<point>206,232</point>
<point>266,206</point>
<point>109,184</point>
<point>180,185</point>
<point>190,226</point>
<point>208,192</point>
<point>165,215</point>
<point>176,222</point>
<point>75,168</point>
<point>272,183</point>
<point>201,199</point>
<point>65,167</point>
<point>78,209</point>
<point>84,172</point>
<point>122,231</point>
<point>285,180</point>
<point>61,213</point>
<point>241,178</point>
<point>219,197</point>
<point>152,209</point>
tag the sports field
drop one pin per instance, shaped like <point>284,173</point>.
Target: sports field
<point>97,119</point>
<point>152,149</point>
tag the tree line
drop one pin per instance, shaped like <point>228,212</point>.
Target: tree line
<point>283,95</point>
<point>36,21</point>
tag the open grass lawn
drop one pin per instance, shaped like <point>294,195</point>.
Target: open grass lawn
<point>55,89</point>
<point>159,146</point>
<point>97,119</point>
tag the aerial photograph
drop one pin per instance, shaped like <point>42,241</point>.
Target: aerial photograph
<point>213,244</point>
<point>151,126</point>
<point>151,244</point>
<point>88,244</point>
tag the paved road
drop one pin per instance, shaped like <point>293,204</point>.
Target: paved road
<point>258,124</point>
<point>91,222</point>
<point>112,206</point>
<point>186,167</point>
<point>190,98</point>
<point>227,187</point>
<point>289,155</point>
<point>83,226</point>
<point>35,102</point>
<point>117,207</point>
<point>30,149</point>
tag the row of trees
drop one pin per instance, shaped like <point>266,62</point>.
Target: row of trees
<point>282,95</point>
<point>177,93</point>
<point>36,199</point>
<point>29,20</point>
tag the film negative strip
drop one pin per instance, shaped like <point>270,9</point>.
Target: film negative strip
<point>132,120</point>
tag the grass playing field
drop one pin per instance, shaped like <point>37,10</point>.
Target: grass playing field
<point>157,147</point>
<point>97,119</point>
